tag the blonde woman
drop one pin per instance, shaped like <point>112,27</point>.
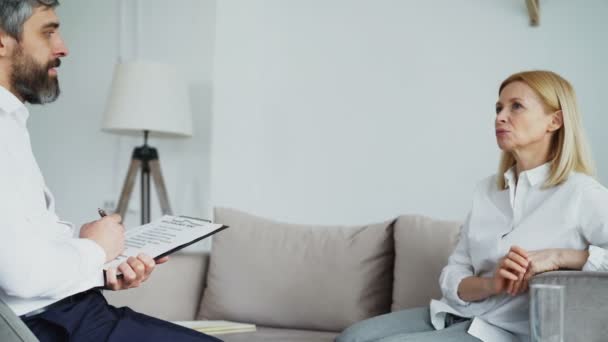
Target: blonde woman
<point>542,211</point>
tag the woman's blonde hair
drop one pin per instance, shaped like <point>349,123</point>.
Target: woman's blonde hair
<point>569,148</point>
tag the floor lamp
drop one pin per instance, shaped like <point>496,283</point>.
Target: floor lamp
<point>147,98</point>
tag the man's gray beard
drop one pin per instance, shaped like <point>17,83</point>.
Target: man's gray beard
<point>32,81</point>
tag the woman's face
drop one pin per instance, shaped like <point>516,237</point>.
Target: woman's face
<point>522,120</point>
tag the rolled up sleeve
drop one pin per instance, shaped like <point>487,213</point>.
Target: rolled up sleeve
<point>597,260</point>
<point>32,266</point>
<point>594,225</point>
<point>459,267</point>
<point>40,257</point>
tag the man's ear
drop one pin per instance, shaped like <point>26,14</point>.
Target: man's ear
<point>557,120</point>
<point>7,44</point>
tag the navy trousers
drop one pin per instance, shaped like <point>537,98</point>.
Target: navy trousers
<point>91,318</point>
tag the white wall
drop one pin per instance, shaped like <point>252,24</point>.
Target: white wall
<point>350,111</point>
<point>86,167</point>
<point>329,111</point>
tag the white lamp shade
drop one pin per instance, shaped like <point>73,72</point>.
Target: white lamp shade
<point>148,97</point>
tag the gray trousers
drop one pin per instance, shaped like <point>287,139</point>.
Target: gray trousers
<point>405,326</point>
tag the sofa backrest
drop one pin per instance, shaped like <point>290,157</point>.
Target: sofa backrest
<point>422,248</point>
<point>322,277</point>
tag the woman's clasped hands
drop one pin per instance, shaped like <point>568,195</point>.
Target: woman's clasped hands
<point>515,269</point>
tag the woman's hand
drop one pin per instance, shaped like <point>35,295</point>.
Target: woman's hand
<point>134,272</point>
<point>510,269</point>
<point>540,261</point>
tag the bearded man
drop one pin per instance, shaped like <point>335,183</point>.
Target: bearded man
<point>50,273</point>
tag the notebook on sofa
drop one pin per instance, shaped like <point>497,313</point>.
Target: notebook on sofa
<point>217,327</point>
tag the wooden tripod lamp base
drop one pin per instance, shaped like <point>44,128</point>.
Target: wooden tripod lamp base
<point>144,159</point>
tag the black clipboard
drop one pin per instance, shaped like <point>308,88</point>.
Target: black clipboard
<point>180,247</point>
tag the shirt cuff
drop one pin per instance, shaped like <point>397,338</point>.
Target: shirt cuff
<point>450,290</point>
<point>597,260</point>
<point>93,258</point>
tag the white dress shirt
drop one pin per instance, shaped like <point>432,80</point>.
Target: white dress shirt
<point>41,258</point>
<point>571,215</point>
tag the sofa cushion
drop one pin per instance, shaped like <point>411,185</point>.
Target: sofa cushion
<point>422,248</point>
<point>298,276</point>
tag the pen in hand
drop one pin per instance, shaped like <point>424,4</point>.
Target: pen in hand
<point>102,213</point>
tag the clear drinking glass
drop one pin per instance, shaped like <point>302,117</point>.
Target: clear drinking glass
<point>547,313</point>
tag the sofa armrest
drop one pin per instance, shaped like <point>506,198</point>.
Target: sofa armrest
<point>173,291</point>
<point>586,303</point>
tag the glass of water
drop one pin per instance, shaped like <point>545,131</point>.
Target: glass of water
<point>547,313</point>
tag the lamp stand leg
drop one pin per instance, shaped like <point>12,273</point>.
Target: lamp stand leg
<point>146,159</point>
<point>161,190</point>
<point>127,187</point>
<point>145,192</point>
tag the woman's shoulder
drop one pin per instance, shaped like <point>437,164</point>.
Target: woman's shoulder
<point>582,181</point>
<point>484,188</point>
<point>586,187</point>
<point>487,184</point>
<point>590,194</point>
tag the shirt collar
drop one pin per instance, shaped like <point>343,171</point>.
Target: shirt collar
<point>534,176</point>
<point>9,103</point>
<point>510,177</point>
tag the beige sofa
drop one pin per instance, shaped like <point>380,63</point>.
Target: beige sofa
<point>307,283</point>
<point>299,282</point>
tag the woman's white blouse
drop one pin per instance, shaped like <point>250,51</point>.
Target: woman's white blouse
<point>572,215</point>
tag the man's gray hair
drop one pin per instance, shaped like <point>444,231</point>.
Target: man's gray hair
<point>14,13</point>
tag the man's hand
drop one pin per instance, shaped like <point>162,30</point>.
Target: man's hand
<point>134,272</point>
<point>108,233</point>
